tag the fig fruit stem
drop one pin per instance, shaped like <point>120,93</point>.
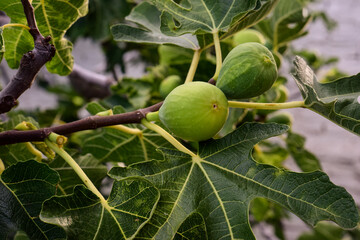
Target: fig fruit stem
<point>269,106</point>
<point>193,66</point>
<point>15,25</point>
<point>218,54</point>
<point>167,136</point>
<point>34,151</point>
<point>88,183</point>
<point>125,129</point>
<point>153,116</point>
<point>2,166</point>
<point>122,128</point>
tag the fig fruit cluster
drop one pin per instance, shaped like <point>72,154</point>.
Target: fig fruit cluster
<point>197,111</point>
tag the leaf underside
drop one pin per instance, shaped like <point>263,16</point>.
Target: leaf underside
<point>223,179</point>
<point>190,23</point>
<point>147,18</point>
<point>338,101</point>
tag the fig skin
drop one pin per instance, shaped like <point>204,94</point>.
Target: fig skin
<point>194,111</point>
<point>248,35</point>
<point>248,71</point>
<point>168,84</point>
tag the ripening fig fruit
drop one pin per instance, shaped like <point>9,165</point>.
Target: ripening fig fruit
<point>194,111</point>
<point>248,35</point>
<point>248,71</point>
<point>281,118</point>
<point>168,84</point>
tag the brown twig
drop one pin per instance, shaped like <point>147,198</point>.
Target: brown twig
<point>93,122</point>
<point>30,64</point>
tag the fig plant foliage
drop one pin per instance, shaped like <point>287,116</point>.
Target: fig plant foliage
<point>127,176</point>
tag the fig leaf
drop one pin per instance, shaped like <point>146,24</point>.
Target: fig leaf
<point>147,18</point>
<point>338,101</point>
<point>53,18</point>
<point>24,186</point>
<point>220,182</point>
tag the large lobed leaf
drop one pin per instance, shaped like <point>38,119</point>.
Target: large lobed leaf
<point>23,188</point>
<point>338,101</point>
<point>147,18</point>
<point>220,182</point>
<point>199,17</point>
<point>169,22</point>
<point>53,18</point>
<point>84,216</point>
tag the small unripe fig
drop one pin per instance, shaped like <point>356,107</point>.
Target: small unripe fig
<point>248,71</point>
<point>194,111</point>
<point>168,84</point>
<point>248,35</point>
<point>281,118</point>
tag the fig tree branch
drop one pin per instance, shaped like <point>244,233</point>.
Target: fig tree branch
<point>93,122</point>
<point>30,63</point>
<point>90,84</point>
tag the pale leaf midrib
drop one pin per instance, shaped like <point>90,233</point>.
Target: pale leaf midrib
<point>218,198</point>
<point>178,198</point>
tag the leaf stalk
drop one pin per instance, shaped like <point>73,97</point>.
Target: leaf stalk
<point>193,66</point>
<point>218,54</point>
<point>167,136</point>
<point>268,106</point>
<point>86,180</point>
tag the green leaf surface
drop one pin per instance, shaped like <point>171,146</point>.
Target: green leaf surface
<point>112,145</point>
<point>91,166</point>
<point>147,29</point>
<point>286,23</point>
<point>220,182</point>
<point>53,18</point>
<point>305,160</point>
<point>84,216</point>
<point>338,101</point>
<point>18,41</point>
<point>23,188</point>
<point>200,17</point>
<point>262,9</point>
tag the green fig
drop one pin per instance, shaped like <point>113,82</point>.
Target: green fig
<point>281,118</point>
<point>194,111</point>
<point>248,35</point>
<point>168,84</point>
<point>248,71</point>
